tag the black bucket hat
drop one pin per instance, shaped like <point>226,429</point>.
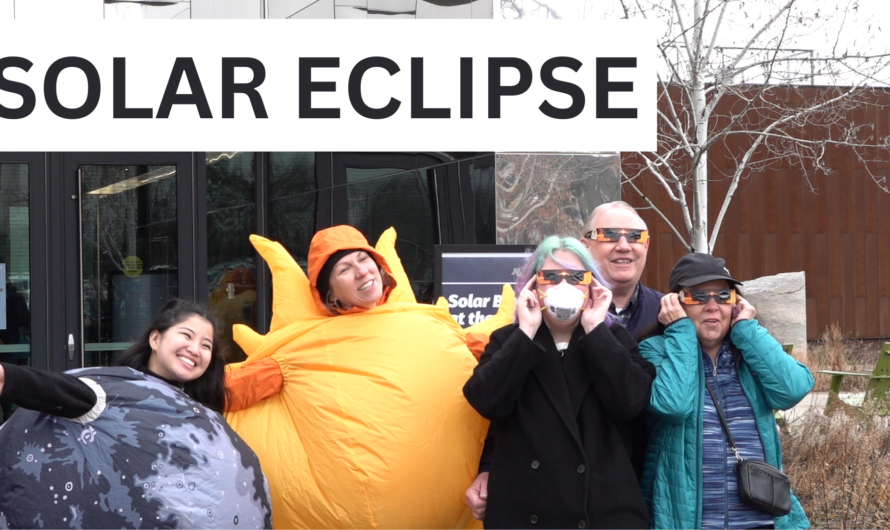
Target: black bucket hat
<point>696,268</point>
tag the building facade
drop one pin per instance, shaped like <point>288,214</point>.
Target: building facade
<point>94,243</point>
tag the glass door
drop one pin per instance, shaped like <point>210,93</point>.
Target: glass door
<point>135,235</point>
<point>129,253</point>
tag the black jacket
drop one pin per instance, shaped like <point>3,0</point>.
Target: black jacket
<point>564,428</point>
<point>646,312</point>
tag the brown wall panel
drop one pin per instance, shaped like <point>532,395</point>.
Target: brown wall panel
<point>885,316</point>
<point>883,262</point>
<point>770,196</point>
<point>872,296</point>
<point>835,312</point>
<point>783,208</point>
<point>744,268</point>
<point>861,317</point>
<point>770,254</point>
<point>796,250</point>
<point>847,249</point>
<point>834,234</point>
<point>796,186</point>
<point>757,192</point>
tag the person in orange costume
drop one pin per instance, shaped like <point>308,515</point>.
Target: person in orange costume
<point>353,399</point>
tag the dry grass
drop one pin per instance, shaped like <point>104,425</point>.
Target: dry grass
<point>840,468</point>
<point>839,463</point>
<point>835,352</point>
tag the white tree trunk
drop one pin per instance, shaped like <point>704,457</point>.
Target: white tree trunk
<point>700,113</point>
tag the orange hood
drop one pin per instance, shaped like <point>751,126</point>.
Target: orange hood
<point>343,237</point>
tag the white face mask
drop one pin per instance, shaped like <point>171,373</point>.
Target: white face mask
<point>563,302</point>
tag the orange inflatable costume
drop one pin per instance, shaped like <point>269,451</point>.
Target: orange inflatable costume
<point>359,419</point>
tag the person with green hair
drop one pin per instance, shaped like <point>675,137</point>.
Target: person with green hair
<point>563,388</point>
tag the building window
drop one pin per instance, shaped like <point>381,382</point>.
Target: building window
<point>231,268</point>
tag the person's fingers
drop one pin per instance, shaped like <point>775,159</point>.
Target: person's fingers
<point>674,301</point>
<point>530,283</point>
<point>483,486</point>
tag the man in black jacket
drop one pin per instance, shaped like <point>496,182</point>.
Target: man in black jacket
<point>618,239</point>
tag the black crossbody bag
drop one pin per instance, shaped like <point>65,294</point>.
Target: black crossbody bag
<point>761,485</point>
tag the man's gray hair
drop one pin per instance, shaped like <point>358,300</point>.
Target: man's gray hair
<point>609,206</point>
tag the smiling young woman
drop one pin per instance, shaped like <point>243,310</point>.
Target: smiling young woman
<point>126,433</point>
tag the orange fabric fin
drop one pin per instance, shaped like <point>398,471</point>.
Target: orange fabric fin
<point>249,383</point>
<point>386,246</point>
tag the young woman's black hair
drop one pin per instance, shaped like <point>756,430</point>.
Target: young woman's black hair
<point>209,389</point>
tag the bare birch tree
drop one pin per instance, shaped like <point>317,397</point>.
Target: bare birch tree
<point>737,71</point>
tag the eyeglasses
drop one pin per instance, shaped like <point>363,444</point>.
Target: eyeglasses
<point>633,235</point>
<point>552,276</point>
<point>724,296</point>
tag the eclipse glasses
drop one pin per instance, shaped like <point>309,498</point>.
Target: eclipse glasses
<point>554,276</point>
<point>723,296</point>
<point>633,235</point>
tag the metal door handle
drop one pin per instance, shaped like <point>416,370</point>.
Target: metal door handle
<point>70,346</point>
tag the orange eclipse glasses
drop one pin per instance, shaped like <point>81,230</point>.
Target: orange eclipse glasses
<point>723,296</point>
<point>613,235</point>
<point>554,276</point>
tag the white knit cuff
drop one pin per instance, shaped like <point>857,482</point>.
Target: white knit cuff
<point>98,408</point>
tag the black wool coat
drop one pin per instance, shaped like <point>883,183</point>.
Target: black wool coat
<point>564,428</point>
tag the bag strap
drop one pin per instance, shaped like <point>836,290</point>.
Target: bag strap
<point>723,422</point>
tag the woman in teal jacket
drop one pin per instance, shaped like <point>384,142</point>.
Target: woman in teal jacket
<point>708,332</point>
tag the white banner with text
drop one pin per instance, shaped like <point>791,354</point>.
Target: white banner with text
<point>328,85</point>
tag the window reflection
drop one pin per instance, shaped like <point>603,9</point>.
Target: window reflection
<point>484,202</point>
<point>292,202</point>
<point>404,202</point>
<point>130,242</point>
<point>15,270</point>
<point>231,268</point>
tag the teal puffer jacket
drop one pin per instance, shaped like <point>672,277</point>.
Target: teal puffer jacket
<point>770,378</point>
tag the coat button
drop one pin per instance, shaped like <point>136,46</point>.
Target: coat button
<point>582,523</point>
<point>533,519</point>
<point>581,468</point>
<point>535,464</point>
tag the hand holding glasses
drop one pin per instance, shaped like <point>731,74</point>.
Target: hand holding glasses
<point>528,309</point>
